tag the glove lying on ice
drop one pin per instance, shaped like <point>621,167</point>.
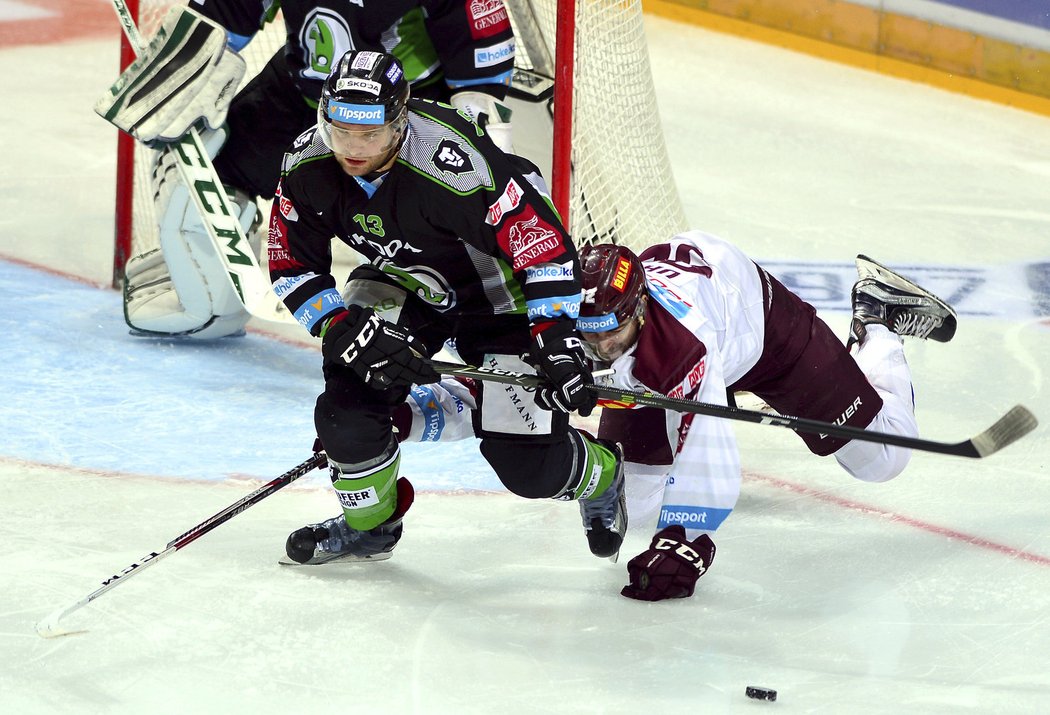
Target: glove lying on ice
<point>381,353</point>
<point>670,567</point>
<point>557,354</point>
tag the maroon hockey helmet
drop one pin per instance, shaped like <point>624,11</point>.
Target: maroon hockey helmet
<point>613,287</point>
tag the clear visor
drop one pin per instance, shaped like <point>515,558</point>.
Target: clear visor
<point>362,141</point>
<point>608,345</point>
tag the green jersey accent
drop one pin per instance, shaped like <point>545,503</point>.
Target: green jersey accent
<point>408,41</point>
<point>598,472</point>
<point>369,498</point>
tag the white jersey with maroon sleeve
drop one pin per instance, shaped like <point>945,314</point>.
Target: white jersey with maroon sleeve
<point>703,329</point>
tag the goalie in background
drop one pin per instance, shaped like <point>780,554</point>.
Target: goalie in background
<point>462,244</point>
<point>454,51</point>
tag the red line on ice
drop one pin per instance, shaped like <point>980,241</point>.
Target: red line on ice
<point>900,518</point>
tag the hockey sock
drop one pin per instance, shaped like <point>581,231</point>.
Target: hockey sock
<point>368,497</point>
<point>599,470</point>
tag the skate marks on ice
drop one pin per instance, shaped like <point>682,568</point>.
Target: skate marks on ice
<point>494,602</point>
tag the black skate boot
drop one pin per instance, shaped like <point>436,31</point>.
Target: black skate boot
<point>334,540</point>
<point>605,516</point>
<point>884,297</point>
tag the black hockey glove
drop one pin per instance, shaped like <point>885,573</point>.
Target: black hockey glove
<point>557,354</point>
<point>381,353</point>
<point>670,567</point>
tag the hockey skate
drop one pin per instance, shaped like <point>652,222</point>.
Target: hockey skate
<point>883,297</point>
<point>334,540</point>
<point>605,516</point>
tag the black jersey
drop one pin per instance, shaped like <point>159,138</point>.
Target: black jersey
<point>455,221</point>
<point>471,41</point>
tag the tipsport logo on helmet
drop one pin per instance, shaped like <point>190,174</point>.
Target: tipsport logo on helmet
<point>597,323</point>
<point>356,113</point>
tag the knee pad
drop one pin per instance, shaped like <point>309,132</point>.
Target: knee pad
<point>567,470</point>
<point>533,470</point>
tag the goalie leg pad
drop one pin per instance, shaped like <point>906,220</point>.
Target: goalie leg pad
<point>182,289</point>
<point>184,77</point>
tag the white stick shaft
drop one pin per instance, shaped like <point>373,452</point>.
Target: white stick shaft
<point>48,628</point>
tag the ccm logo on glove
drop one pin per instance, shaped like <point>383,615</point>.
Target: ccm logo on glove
<point>670,567</point>
<point>379,352</point>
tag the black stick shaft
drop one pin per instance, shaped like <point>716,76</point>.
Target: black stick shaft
<point>49,626</point>
<point>1012,426</point>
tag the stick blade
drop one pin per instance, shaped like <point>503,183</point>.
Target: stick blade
<point>49,628</point>
<point>1011,427</point>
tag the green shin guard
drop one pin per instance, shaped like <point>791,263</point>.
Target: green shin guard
<point>368,498</point>
<point>599,470</point>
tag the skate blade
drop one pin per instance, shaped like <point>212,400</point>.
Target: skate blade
<point>344,559</point>
<point>868,268</point>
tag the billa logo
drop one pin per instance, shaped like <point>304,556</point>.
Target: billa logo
<point>622,273</point>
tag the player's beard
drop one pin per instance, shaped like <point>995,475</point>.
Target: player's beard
<point>369,165</point>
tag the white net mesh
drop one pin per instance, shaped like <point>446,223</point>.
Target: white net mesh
<point>622,188</point>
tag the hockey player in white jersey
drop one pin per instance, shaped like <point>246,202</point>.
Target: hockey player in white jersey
<point>695,318</point>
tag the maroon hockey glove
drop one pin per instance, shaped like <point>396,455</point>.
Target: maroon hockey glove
<point>557,354</point>
<point>670,567</point>
<point>381,353</point>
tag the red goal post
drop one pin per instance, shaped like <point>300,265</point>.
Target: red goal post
<point>610,172</point>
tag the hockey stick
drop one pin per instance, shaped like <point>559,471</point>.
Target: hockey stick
<point>216,212</point>
<point>48,628</point>
<point>1009,428</point>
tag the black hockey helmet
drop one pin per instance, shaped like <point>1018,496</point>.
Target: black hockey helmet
<point>613,288</point>
<point>364,88</point>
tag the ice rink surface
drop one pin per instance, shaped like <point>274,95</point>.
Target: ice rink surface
<point>928,594</point>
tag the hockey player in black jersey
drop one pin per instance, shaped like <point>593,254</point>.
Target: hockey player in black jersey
<point>452,50</point>
<point>462,244</point>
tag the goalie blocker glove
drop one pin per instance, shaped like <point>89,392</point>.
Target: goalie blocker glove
<point>670,567</point>
<point>489,113</point>
<point>557,354</point>
<point>381,353</point>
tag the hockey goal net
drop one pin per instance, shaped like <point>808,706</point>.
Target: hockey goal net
<point>610,171</point>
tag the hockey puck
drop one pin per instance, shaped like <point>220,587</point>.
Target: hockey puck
<point>756,693</point>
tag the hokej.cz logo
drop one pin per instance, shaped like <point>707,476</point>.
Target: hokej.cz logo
<point>356,113</point>
<point>494,54</point>
<point>549,272</point>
